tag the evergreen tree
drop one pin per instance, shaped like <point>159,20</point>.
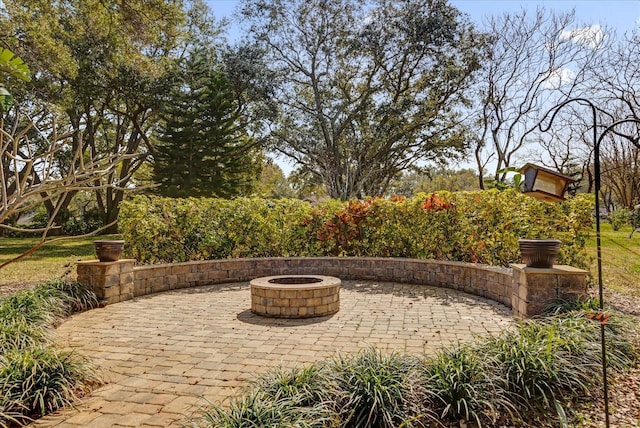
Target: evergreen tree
<point>202,148</point>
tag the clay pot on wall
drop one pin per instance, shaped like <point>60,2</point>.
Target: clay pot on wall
<point>108,251</point>
<point>539,253</point>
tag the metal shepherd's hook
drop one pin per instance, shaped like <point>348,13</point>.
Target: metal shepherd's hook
<point>596,165</point>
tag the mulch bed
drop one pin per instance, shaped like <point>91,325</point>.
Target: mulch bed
<point>624,389</point>
<point>12,288</point>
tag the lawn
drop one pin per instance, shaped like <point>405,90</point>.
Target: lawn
<point>51,261</point>
<point>620,259</point>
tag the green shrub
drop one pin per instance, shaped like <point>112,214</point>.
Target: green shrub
<point>85,223</point>
<point>168,230</point>
<point>478,227</point>
<point>620,217</point>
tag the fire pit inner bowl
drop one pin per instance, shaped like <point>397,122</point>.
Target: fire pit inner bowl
<point>294,280</point>
<point>295,296</point>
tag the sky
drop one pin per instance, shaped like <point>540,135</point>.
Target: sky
<point>619,15</point>
<point>622,15</point>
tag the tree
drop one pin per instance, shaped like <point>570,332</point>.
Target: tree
<point>10,66</point>
<point>273,183</point>
<point>620,165</point>
<point>31,148</point>
<point>202,148</point>
<point>100,66</point>
<point>615,83</point>
<point>365,90</point>
<point>435,179</point>
<point>536,61</point>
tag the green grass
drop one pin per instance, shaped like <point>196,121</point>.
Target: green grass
<point>375,390</point>
<point>51,261</point>
<point>620,259</point>
<point>304,386</point>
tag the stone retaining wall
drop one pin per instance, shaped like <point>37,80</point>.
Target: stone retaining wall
<point>112,280</point>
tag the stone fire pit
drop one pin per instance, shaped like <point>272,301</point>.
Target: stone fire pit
<point>295,296</point>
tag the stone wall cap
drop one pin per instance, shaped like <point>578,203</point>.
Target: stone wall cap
<point>499,269</point>
<point>99,263</point>
<point>556,269</point>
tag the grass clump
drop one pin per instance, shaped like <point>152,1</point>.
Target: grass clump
<point>304,386</point>
<point>69,297</point>
<point>35,376</point>
<point>618,328</point>
<point>561,305</point>
<point>258,409</point>
<point>36,381</point>
<point>461,388</point>
<point>375,390</point>
<point>541,364</point>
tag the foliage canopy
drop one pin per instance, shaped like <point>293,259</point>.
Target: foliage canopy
<point>365,90</point>
<point>480,227</point>
<point>202,149</point>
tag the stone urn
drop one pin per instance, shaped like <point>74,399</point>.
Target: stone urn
<point>539,253</point>
<point>108,251</point>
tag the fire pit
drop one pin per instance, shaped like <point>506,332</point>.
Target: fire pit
<point>295,296</point>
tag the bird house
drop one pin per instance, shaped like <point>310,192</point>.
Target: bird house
<point>545,184</point>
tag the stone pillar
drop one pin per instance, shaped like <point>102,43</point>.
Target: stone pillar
<point>111,281</point>
<point>534,288</point>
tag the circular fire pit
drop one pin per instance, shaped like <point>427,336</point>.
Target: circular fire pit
<point>295,296</point>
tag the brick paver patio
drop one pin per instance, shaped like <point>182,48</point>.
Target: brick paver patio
<point>166,354</point>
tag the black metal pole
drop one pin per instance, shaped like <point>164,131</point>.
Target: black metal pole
<point>596,167</point>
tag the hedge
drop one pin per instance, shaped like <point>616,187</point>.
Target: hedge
<point>478,227</point>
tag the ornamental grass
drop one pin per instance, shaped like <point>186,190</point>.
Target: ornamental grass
<point>35,376</point>
<point>531,375</point>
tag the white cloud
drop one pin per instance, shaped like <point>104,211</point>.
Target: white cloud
<point>591,35</point>
<point>559,77</point>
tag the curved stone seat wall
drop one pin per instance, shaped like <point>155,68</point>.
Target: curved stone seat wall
<point>525,290</point>
<point>487,281</point>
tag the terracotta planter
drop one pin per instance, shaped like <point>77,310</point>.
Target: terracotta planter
<point>539,253</point>
<point>108,251</point>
